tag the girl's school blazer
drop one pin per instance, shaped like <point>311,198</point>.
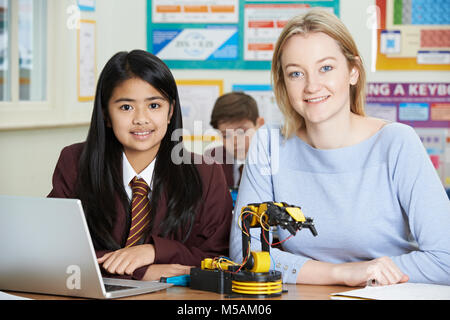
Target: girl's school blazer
<point>211,229</point>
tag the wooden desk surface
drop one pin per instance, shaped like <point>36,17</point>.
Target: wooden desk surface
<point>295,292</point>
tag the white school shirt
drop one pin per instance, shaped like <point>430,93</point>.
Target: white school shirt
<point>129,174</point>
<point>236,173</point>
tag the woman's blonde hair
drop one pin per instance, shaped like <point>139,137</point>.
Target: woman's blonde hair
<point>316,20</point>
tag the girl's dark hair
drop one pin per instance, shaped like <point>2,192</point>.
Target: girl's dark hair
<point>100,166</point>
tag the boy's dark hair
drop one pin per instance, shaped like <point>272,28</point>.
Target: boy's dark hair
<point>234,106</point>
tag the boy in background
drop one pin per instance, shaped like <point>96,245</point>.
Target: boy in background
<point>235,115</point>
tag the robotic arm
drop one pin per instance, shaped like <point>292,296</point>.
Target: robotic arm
<point>253,276</point>
<point>265,215</point>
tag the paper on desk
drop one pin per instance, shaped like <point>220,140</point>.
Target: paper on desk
<point>403,291</point>
<point>6,296</point>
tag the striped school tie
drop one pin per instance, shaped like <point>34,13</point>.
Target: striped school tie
<point>140,210</point>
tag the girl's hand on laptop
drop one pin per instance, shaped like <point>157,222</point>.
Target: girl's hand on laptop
<point>156,271</point>
<point>126,260</point>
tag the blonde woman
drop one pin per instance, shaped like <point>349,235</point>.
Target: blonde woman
<point>378,205</point>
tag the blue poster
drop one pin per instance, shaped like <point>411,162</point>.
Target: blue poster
<point>86,5</point>
<point>230,34</point>
<point>199,44</point>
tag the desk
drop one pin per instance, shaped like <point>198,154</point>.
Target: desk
<point>295,292</point>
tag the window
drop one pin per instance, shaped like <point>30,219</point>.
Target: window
<point>23,50</point>
<point>5,69</point>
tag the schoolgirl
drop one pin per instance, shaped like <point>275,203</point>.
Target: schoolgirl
<point>149,214</point>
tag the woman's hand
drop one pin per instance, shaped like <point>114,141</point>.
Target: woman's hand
<point>156,271</point>
<point>381,271</point>
<point>126,260</point>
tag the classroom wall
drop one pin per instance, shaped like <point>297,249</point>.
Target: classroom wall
<point>31,154</point>
<point>28,156</point>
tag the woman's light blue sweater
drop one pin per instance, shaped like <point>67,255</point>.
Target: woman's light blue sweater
<point>380,197</point>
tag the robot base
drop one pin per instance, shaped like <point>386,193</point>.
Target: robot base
<point>238,284</point>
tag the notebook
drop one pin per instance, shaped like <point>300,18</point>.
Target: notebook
<point>46,248</point>
<point>402,291</point>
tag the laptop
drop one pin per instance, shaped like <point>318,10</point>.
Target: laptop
<point>45,247</point>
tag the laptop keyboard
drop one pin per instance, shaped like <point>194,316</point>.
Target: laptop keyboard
<point>111,287</point>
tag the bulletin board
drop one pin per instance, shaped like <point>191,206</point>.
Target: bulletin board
<point>220,34</point>
<point>413,35</point>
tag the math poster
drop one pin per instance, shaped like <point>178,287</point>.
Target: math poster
<point>195,11</point>
<point>196,44</point>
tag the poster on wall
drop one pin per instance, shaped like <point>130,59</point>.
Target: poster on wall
<point>195,11</point>
<point>425,107</point>
<point>86,5</point>
<point>263,24</point>
<point>420,105</point>
<point>413,35</point>
<point>220,34</point>
<point>197,98</point>
<point>86,64</point>
<point>265,99</point>
<point>196,44</point>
